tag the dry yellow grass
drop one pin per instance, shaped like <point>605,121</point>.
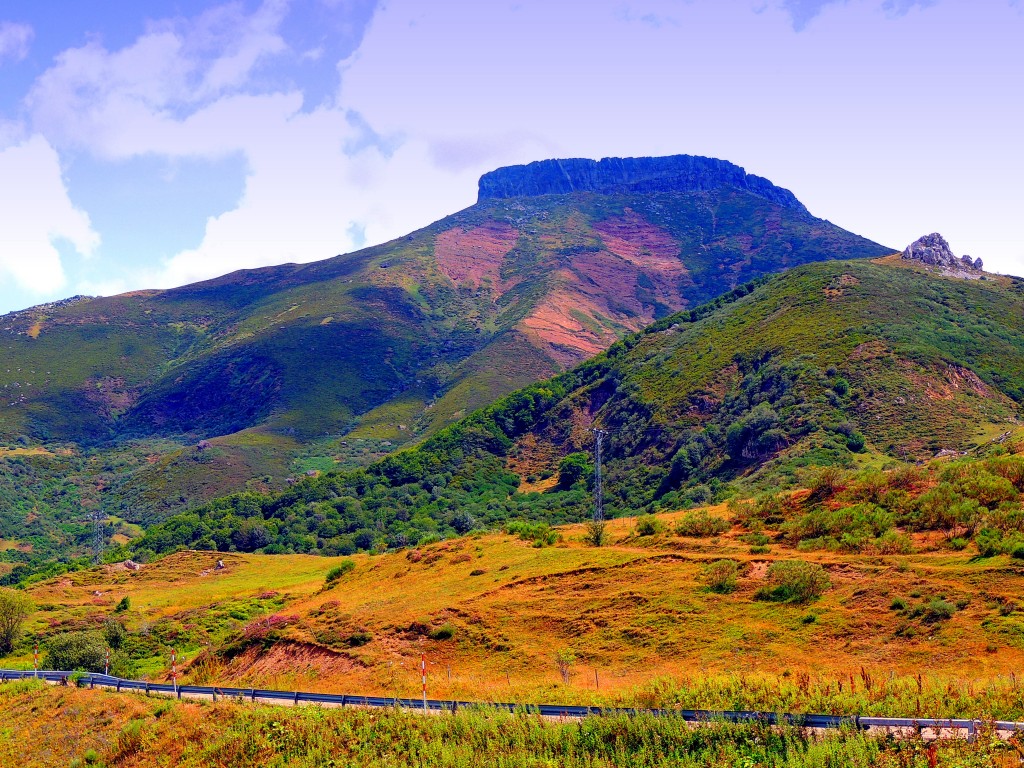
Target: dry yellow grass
<point>631,612</point>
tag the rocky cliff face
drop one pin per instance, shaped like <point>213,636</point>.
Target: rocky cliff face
<point>934,250</point>
<point>677,173</point>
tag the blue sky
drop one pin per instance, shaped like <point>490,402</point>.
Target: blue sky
<point>153,144</point>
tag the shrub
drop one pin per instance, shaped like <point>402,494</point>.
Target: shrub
<point>892,543</point>
<point>827,483</point>
<point>445,632</point>
<point>648,525</point>
<point>720,576</point>
<point>938,610</point>
<point>701,524</point>
<point>810,618</point>
<point>989,542</point>
<point>596,536</point>
<point>360,638</point>
<point>539,533</point>
<point>338,571</point>
<point>72,651</point>
<point>15,607</point>
<point>958,544</point>
<point>761,549</point>
<point>794,581</point>
<point>114,633</point>
<point>123,605</point>
<point>898,604</point>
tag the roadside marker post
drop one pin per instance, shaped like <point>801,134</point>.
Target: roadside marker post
<point>35,661</point>
<point>174,670</point>
<point>423,671</point>
<point>106,663</point>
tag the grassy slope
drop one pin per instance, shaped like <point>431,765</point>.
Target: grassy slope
<point>836,363</point>
<point>635,611</point>
<point>274,364</point>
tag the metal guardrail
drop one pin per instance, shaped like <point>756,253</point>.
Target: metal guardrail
<point>545,710</point>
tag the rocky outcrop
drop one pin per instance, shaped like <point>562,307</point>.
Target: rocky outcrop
<point>677,173</point>
<point>934,250</point>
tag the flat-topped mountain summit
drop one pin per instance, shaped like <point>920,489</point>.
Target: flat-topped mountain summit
<point>631,175</point>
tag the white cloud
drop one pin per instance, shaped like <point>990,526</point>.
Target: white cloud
<point>121,103</point>
<point>35,212</point>
<point>15,40</point>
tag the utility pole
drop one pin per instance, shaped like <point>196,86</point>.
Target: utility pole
<point>599,435</point>
<point>96,518</point>
<point>97,533</point>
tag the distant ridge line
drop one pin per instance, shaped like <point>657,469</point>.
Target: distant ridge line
<point>674,173</point>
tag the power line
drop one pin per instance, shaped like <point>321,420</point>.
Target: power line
<point>599,437</point>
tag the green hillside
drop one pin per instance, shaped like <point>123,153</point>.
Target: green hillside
<point>159,400</point>
<point>857,364</point>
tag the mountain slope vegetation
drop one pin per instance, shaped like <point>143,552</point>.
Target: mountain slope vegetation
<point>836,364</point>
<point>243,381</point>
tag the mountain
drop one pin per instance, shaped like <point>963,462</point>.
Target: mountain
<point>243,380</point>
<point>859,363</point>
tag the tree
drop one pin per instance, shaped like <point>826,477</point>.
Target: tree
<point>573,468</point>
<point>565,659</point>
<point>15,607</point>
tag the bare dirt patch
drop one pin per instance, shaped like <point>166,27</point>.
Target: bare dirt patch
<point>639,242</point>
<point>475,256</point>
<point>283,658</point>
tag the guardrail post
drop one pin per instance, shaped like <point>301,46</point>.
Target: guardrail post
<point>118,686</point>
<point>254,694</point>
<point>296,698</point>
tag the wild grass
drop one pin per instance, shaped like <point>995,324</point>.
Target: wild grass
<point>119,731</point>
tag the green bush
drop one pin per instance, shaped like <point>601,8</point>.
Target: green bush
<point>338,571</point>
<point>445,632</point>
<point>938,610</point>
<point>360,638</point>
<point>794,581</point>
<point>74,651</point>
<point>898,604</point>
<point>648,525</point>
<point>701,524</point>
<point>123,605</point>
<point>114,633</point>
<point>760,549</point>
<point>596,535</point>
<point>720,576</point>
<point>541,534</point>
<point>989,542</point>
